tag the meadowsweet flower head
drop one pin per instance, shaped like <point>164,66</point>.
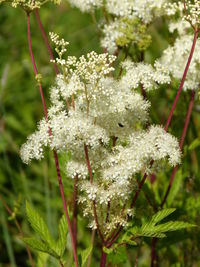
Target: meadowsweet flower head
<point>144,74</point>
<point>174,58</point>
<point>29,5</point>
<point>192,12</point>
<point>123,32</point>
<point>86,5</point>
<point>90,109</point>
<point>146,10</point>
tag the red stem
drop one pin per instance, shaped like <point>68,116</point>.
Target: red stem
<point>103,259</point>
<point>143,91</point>
<point>74,220</point>
<point>46,40</point>
<point>54,152</point>
<point>166,126</point>
<point>187,120</point>
<point>88,163</point>
<point>94,203</point>
<point>182,81</point>
<point>114,238</point>
<point>154,257</point>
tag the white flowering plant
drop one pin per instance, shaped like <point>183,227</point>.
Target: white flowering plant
<point>103,126</point>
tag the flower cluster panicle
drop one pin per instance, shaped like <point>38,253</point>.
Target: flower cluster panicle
<point>192,13</point>
<point>86,5</point>
<point>143,9</point>
<point>105,109</point>
<point>60,46</point>
<point>174,58</point>
<point>123,32</point>
<point>172,9</point>
<point>29,5</point>
<point>144,74</point>
<point>181,26</point>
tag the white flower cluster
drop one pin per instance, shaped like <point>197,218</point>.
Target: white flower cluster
<point>124,25</point>
<point>173,8</point>
<point>174,59</point>
<point>144,74</point>
<point>111,34</point>
<point>60,44</point>
<point>193,12</point>
<point>120,8</point>
<point>29,5</point>
<point>181,26</point>
<point>144,9</point>
<point>86,5</point>
<point>92,109</point>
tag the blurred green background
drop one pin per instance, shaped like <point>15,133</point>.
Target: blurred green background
<point>21,109</point>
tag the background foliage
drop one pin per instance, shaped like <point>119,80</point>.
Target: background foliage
<point>20,109</point>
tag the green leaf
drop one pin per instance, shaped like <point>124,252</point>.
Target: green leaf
<point>146,231</point>
<point>172,226</point>
<point>108,250</point>
<point>85,254</point>
<point>160,215</point>
<point>150,229</point>
<point>62,230</point>
<point>40,246</point>
<point>127,239</point>
<point>42,259</point>
<point>39,226</point>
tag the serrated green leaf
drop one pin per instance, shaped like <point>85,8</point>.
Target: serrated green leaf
<point>172,226</point>
<point>62,229</point>
<point>150,229</point>
<point>146,230</point>
<point>42,259</point>
<point>85,254</point>
<point>160,215</point>
<point>39,225</point>
<point>40,246</point>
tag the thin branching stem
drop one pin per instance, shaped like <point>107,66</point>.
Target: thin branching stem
<point>94,202</point>
<point>103,259</point>
<point>182,139</point>
<point>75,207</point>
<point>184,132</point>
<point>182,80</point>
<point>46,40</point>
<point>54,152</point>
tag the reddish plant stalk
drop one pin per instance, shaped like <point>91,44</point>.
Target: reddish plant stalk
<point>182,81</point>
<point>108,212</point>
<point>19,229</point>
<point>46,40</point>
<point>103,259</point>
<point>94,203</point>
<point>54,152</point>
<point>143,91</point>
<point>182,139</point>
<point>154,258</point>
<point>74,218</point>
<point>187,120</point>
<point>167,123</point>
<point>172,109</point>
